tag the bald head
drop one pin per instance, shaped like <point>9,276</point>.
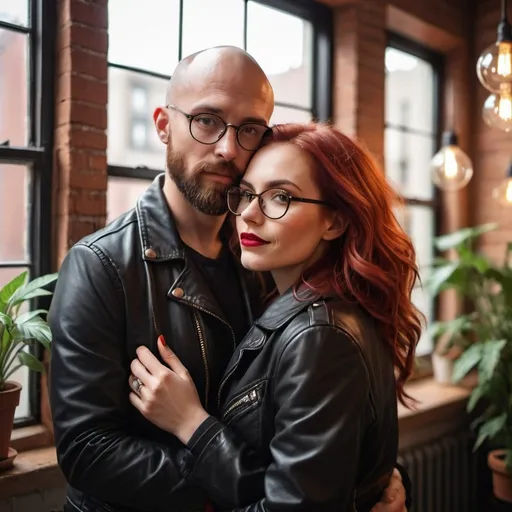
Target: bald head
<point>222,64</point>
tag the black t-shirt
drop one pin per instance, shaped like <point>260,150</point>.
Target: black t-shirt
<point>223,280</point>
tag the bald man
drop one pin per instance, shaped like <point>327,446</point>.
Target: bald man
<point>163,268</point>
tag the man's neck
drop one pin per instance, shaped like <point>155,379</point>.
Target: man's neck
<point>199,231</point>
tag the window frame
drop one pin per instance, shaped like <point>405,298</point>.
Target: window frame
<point>37,155</point>
<point>320,16</point>
<point>436,60</point>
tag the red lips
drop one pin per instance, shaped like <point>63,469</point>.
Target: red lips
<point>251,240</point>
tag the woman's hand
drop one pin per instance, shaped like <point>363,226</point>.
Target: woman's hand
<point>165,396</point>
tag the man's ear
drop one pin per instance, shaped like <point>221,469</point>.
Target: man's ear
<point>161,119</point>
<point>336,228</point>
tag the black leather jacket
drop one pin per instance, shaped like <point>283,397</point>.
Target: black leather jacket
<point>309,401</point>
<point>118,289</point>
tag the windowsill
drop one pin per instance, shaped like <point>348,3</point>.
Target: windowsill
<point>441,409</point>
<point>33,470</point>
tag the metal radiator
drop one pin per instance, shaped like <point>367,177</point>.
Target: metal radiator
<point>444,475</point>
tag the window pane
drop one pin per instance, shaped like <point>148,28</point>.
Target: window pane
<point>424,302</point>
<point>14,11</point>
<point>144,35</point>
<point>207,23</point>
<point>132,138</point>
<point>14,212</point>
<point>283,46</point>
<point>21,375</point>
<point>289,115</point>
<point>13,88</point>
<point>409,91</point>
<point>407,158</point>
<point>122,195</point>
<point>418,222</point>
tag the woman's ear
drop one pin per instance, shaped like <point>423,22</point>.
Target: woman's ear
<point>336,228</point>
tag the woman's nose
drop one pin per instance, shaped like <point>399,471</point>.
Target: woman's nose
<point>252,212</point>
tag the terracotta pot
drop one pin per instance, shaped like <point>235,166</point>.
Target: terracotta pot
<point>501,478</point>
<point>9,400</point>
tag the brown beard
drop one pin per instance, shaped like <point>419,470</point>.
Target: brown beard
<point>210,199</point>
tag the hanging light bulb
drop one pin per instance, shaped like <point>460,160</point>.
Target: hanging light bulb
<point>451,167</point>
<point>497,110</point>
<point>494,66</point>
<point>503,192</point>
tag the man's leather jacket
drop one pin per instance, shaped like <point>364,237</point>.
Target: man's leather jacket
<point>309,400</point>
<point>118,289</point>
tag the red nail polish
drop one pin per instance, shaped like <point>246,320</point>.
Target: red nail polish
<point>162,340</point>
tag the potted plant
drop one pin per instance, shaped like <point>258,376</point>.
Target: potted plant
<point>19,332</point>
<point>485,336</point>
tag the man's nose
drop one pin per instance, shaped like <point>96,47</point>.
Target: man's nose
<point>227,147</point>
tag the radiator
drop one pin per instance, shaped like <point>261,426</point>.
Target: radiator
<point>444,475</point>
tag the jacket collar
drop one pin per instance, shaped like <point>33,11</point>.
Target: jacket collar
<point>158,235</point>
<point>286,307</point>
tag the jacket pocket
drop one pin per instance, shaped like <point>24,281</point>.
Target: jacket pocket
<point>244,402</point>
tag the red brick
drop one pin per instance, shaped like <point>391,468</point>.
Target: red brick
<point>90,90</point>
<point>90,203</point>
<point>90,14</point>
<point>81,62</point>
<point>88,139</point>
<point>88,181</point>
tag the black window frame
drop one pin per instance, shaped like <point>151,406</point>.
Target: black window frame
<point>437,61</point>
<point>37,155</point>
<point>320,16</point>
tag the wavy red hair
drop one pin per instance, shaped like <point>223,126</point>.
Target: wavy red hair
<point>374,262</point>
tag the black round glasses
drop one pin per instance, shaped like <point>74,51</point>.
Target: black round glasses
<point>273,203</point>
<point>209,128</point>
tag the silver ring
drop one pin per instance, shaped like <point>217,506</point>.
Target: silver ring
<point>137,384</point>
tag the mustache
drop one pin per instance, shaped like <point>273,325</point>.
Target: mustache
<point>223,168</point>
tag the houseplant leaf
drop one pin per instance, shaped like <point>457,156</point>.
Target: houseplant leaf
<point>10,289</point>
<point>491,353</point>
<point>32,362</point>
<point>452,240</point>
<point>467,361</point>
<point>490,428</point>
<point>440,276</point>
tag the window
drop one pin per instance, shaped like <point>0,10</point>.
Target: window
<point>290,39</point>
<point>411,139</point>
<point>26,124</point>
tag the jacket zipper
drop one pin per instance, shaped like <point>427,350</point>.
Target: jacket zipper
<point>248,399</point>
<point>205,360</point>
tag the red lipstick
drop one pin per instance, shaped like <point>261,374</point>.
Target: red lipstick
<point>251,240</point>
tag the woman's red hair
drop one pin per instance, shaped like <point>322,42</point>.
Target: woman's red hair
<point>374,262</point>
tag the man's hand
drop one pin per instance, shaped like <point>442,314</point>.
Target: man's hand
<point>393,499</point>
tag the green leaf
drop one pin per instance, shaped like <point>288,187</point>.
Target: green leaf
<point>467,361</point>
<point>34,288</point>
<point>490,358</point>
<point>25,317</point>
<point>5,319</point>
<point>452,240</point>
<point>490,429</point>
<point>32,362</point>
<point>475,397</point>
<point>440,276</point>
<point>35,329</point>
<point>10,289</point>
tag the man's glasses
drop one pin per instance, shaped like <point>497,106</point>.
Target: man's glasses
<point>273,203</point>
<point>210,128</point>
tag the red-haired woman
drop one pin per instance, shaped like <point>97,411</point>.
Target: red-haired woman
<point>309,399</point>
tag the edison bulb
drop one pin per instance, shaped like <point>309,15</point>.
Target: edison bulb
<point>494,66</point>
<point>451,167</point>
<point>497,110</point>
<point>503,193</point>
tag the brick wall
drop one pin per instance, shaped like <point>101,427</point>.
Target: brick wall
<point>81,116</point>
<point>492,147</point>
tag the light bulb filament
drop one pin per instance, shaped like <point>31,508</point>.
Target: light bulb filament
<point>504,65</point>
<point>505,107</point>
<point>508,193</point>
<point>450,164</point>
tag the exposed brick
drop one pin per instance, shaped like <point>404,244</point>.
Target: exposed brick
<point>88,139</point>
<point>86,89</point>
<point>79,61</point>
<point>88,180</point>
<point>89,203</point>
<point>91,14</point>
